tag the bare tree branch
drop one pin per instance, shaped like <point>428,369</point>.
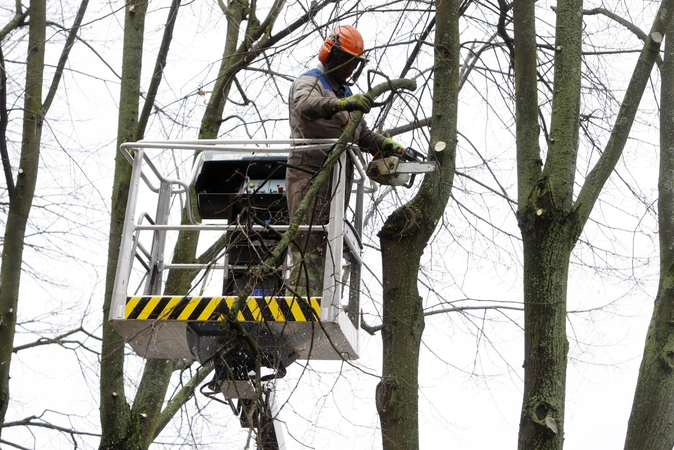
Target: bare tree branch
<point>158,69</point>
<point>72,35</point>
<point>372,329</point>
<point>4,154</point>
<point>32,421</point>
<point>11,444</point>
<point>625,118</point>
<point>181,397</point>
<point>59,340</point>
<point>621,20</point>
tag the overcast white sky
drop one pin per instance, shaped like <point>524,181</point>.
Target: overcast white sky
<point>471,375</point>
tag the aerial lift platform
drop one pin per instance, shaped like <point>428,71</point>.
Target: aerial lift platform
<point>238,189</point>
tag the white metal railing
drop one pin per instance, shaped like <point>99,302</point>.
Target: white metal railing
<point>166,188</point>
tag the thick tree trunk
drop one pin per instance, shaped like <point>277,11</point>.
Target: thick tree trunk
<point>650,424</point>
<point>403,240</point>
<point>117,429</point>
<point>397,396</point>
<point>22,198</point>
<point>547,248</point>
<point>123,426</point>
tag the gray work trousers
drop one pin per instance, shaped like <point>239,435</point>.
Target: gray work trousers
<point>309,247</point>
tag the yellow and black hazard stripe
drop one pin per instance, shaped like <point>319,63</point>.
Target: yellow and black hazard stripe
<point>255,309</point>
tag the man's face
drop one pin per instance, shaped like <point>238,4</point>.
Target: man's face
<point>347,65</point>
<point>342,66</point>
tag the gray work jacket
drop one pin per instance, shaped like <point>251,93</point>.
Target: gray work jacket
<point>314,115</point>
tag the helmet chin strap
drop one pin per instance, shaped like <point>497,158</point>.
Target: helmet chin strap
<point>357,72</point>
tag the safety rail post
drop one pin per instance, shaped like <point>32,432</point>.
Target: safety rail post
<point>353,307</point>
<point>335,245</point>
<point>154,281</point>
<point>126,253</point>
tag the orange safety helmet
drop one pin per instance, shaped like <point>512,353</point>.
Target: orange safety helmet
<point>345,38</point>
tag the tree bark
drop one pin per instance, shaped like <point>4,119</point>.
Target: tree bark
<point>24,191</point>
<point>403,239</point>
<point>547,245</point>
<point>650,425</point>
<point>117,429</point>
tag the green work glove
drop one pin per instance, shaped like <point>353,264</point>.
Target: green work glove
<point>358,102</point>
<point>390,147</point>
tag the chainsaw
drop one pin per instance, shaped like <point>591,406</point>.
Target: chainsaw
<point>399,169</point>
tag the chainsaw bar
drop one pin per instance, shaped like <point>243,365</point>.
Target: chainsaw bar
<point>416,167</point>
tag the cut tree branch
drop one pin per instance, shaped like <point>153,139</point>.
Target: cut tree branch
<point>59,340</point>
<point>264,269</point>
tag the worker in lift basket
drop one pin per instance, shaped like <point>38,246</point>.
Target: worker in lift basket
<point>321,104</point>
